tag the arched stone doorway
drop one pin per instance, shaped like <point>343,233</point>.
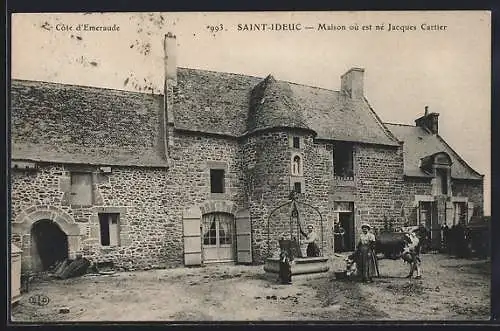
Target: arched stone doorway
<point>49,244</point>
<point>33,220</point>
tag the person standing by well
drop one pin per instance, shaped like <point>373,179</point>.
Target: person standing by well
<point>311,238</point>
<point>366,259</point>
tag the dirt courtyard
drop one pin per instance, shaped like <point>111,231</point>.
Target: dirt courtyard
<point>451,289</point>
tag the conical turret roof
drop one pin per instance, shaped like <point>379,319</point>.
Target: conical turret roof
<point>272,105</point>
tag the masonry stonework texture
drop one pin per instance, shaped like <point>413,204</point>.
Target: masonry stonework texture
<point>471,189</point>
<point>150,157</point>
<point>380,183</point>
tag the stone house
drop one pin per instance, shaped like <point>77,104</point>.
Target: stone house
<point>190,176</point>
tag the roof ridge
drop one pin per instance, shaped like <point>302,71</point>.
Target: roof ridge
<point>400,124</point>
<point>259,77</point>
<point>316,87</point>
<point>224,72</point>
<point>79,86</point>
<point>387,132</point>
<point>196,69</point>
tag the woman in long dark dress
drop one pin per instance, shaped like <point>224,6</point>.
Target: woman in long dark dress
<point>339,233</point>
<point>366,259</point>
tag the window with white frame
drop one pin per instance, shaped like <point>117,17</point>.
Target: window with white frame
<point>109,225</point>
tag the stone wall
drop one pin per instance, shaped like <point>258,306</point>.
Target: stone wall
<point>318,173</point>
<point>265,159</point>
<point>188,179</point>
<point>473,190</point>
<point>151,201</point>
<point>414,186</point>
<point>377,190</point>
<point>379,183</point>
<point>137,194</point>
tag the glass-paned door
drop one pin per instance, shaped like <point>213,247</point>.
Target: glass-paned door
<point>218,237</point>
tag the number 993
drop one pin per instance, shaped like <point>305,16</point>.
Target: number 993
<point>215,28</point>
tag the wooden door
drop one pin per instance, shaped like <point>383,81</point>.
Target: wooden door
<point>435,227</point>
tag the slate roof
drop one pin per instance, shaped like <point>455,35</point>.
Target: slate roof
<point>419,143</point>
<point>74,124</point>
<point>229,104</point>
<point>64,123</point>
<point>272,104</point>
<point>212,102</point>
<point>335,116</point>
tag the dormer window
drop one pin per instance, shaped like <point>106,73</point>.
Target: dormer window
<point>439,165</point>
<point>442,178</point>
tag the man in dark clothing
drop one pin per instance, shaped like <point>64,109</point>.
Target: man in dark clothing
<point>446,233</point>
<point>286,258</point>
<point>422,234</point>
<point>460,240</point>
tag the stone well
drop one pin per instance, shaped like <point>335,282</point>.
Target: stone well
<point>302,266</point>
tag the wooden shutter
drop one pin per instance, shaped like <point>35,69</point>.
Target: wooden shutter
<point>243,237</point>
<point>114,230</point>
<point>192,240</point>
<point>81,188</point>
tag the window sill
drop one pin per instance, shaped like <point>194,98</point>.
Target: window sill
<point>108,248</point>
<point>80,206</point>
<point>344,181</point>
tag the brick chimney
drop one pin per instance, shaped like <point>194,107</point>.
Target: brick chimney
<point>429,121</point>
<point>352,83</point>
<point>170,84</point>
<point>170,47</point>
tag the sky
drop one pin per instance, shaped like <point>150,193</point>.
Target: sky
<point>433,58</point>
